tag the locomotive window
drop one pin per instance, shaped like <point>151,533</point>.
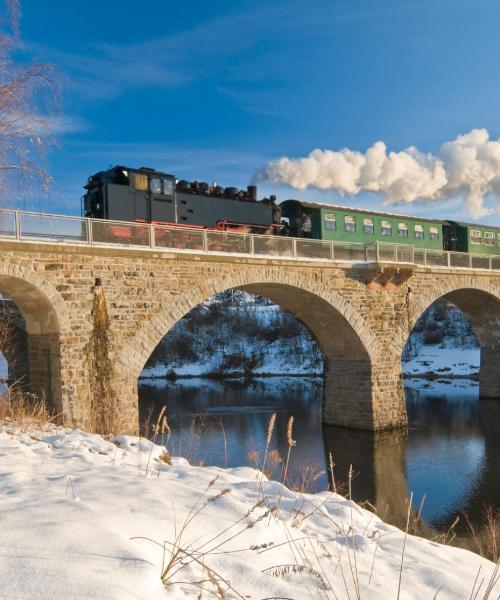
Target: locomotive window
<point>141,182</point>
<point>349,224</point>
<point>386,228</point>
<point>168,187</point>
<point>419,232</point>
<point>330,222</point>
<point>155,185</point>
<point>402,230</point>
<point>489,238</point>
<point>475,237</point>
<point>368,226</point>
<point>434,233</point>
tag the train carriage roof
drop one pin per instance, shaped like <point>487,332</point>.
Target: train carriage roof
<point>333,207</point>
<point>476,225</point>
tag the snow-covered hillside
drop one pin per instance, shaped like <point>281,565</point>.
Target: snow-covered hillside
<point>236,333</point>
<point>239,334</point>
<point>442,343</point>
<point>85,518</point>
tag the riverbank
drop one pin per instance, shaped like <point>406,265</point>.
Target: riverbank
<point>451,363</point>
<point>432,362</point>
<point>83,517</point>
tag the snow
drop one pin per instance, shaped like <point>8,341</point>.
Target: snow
<point>77,511</point>
<point>457,362</point>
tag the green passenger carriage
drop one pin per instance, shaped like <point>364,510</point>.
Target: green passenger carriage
<point>472,238</point>
<point>337,223</point>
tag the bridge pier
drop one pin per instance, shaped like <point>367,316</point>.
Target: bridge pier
<point>364,395</point>
<point>44,369</point>
<point>489,373</point>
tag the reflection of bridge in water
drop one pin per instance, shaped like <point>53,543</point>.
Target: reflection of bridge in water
<point>384,462</point>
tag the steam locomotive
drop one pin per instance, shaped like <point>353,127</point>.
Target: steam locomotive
<point>148,196</point>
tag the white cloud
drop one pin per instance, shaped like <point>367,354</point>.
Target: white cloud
<point>469,166</point>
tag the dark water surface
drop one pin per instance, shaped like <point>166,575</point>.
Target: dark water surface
<point>449,458</point>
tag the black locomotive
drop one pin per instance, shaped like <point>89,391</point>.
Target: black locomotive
<point>148,196</point>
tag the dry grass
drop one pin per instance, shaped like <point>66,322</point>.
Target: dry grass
<point>23,410</point>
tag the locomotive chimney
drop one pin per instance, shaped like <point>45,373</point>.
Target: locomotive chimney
<point>252,192</point>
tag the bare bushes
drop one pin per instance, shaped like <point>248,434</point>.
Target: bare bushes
<point>28,101</point>
<point>23,410</point>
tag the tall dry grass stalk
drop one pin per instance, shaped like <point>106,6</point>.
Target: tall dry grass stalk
<point>291,442</point>
<point>269,437</point>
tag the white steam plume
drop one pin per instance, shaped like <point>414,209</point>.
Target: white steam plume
<point>468,165</point>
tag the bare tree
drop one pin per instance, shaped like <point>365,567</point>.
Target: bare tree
<point>28,101</point>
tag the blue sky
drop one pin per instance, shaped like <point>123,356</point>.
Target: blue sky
<point>214,90</point>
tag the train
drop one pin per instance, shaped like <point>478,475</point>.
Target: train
<point>146,195</point>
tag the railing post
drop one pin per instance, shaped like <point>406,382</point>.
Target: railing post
<point>294,250</point>
<point>448,259</point>
<point>425,257</point>
<point>413,253</point>
<point>17,222</point>
<point>377,251</point>
<point>205,240</point>
<point>152,241</point>
<point>90,232</point>
<point>366,253</point>
<point>470,260</point>
<point>395,253</point>
<point>332,251</point>
<point>490,266</point>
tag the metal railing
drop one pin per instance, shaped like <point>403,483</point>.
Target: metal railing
<point>42,227</point>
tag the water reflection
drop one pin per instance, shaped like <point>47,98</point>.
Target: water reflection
<point>224,423</point>
<point>450,454</point>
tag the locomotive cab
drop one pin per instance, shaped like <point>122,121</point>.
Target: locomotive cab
<point>123,194</point>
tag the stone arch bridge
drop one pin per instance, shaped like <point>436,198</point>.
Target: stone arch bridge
<point>94,315</point>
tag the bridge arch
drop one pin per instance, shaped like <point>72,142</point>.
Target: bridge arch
<point>480,303</point>
<point>352,390</point>
<point>45,318</point>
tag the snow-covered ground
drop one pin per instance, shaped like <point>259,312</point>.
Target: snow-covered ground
<point>84,518</point>
<point>452,361</point>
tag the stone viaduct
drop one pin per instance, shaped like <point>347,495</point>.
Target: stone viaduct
<point>94,315</point>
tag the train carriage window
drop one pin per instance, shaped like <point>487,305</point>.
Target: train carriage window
<point>475,236</point>
<point>349,224</point>
<point>368,227</point>
<point>489,238</point>
<point>168,187</point>
<point>155,185</point>
<point>434,233</point>
<point>402,230</point>
<point>140,182</point>
<point>330,221</point>
<point>386,228</point>
<point>419,232</point>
